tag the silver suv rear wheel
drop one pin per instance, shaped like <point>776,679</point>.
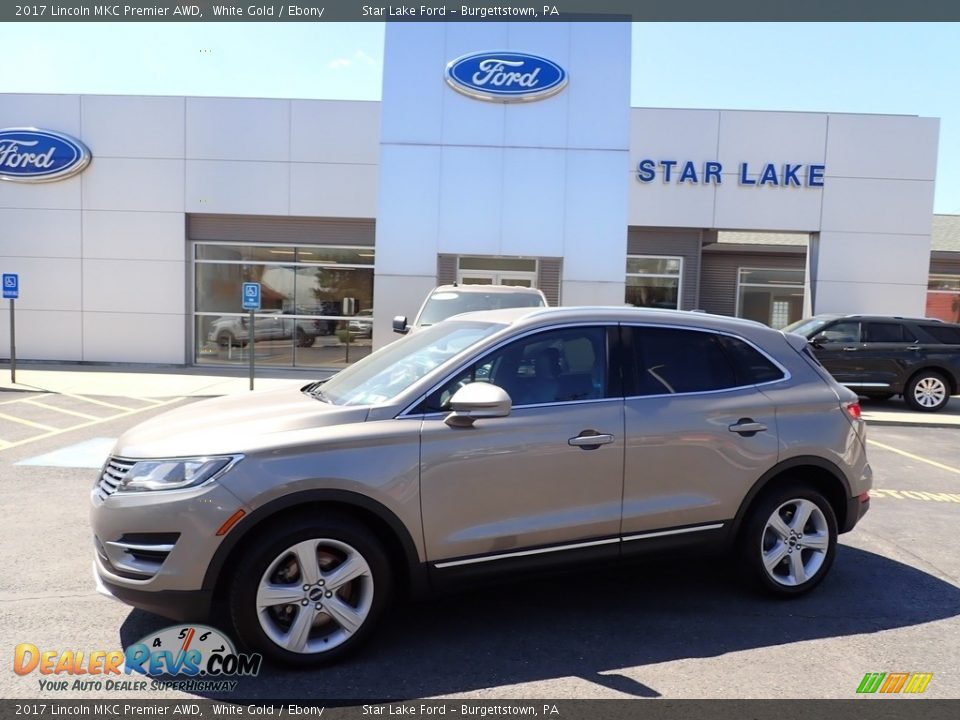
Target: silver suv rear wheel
<point>788,542</point>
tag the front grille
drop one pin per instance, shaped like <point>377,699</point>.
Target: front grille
<point>113,473</point>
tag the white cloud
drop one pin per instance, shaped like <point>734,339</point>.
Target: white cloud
<point>339,64</point>
<point>361,56</point>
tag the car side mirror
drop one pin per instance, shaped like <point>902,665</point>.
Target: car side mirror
<point>400,325</point>
<point>819,339</point>
<point>477,400</point>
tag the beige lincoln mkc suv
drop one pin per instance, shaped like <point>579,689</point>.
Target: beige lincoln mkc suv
<point>499,441</point>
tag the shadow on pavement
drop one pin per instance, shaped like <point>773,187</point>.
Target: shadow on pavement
<point>586,623</point>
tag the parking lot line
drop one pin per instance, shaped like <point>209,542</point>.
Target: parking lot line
<point>98,421</point>
<point>30,423</point>
<point>100,402</point>
<point>31,401</point>
<point>920,458</point>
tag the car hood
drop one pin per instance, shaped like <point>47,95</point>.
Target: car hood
<point>232,424</point>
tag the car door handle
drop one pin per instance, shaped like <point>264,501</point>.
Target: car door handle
<point>913,347</point>
<point>591,441</point>
<point>747,427</point>
<point>849,349</point>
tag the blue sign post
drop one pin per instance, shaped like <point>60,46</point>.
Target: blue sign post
<point>251,302</point>
<point>251,296</point>
<point>11,291</point>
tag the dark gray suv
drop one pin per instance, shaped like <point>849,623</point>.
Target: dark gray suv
<point>879,356</point>
<point>494,442</point>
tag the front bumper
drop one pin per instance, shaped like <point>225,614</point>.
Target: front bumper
<point>159,543</point>
<point>177,605</point>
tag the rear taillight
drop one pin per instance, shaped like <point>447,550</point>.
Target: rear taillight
<point>853,409</point>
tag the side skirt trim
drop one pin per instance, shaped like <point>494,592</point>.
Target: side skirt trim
<point>575,546</point>
<point>680,531</point>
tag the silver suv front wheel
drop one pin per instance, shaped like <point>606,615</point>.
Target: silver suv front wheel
<point>310,590</point>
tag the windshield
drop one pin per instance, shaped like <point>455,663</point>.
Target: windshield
<point>807,327</point>
<point>383,375</point>
<point>447,303</point>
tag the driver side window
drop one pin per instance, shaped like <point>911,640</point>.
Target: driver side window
<point>553,366</point>
<point>844,332</point>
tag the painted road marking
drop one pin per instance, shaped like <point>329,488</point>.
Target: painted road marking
<point>29,423</point>
<point>31,401</point>
<point>915,495</point>
<point>919,458</point>
<point>91,423</point>
<point>103,402</point>
<point>88,454</point>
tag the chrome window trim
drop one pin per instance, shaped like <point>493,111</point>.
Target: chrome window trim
<point>866,384</point>
<point>787,375</point>
<point>444,413</point>
<point>577,323</point>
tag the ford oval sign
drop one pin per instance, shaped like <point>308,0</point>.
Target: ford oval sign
<point>31,155</point>
<point>505,76</point>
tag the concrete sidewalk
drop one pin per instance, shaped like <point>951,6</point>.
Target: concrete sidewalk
<point>165,381</point>
<point>148,381</point>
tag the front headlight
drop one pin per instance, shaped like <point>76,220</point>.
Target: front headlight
<point>173,474</point>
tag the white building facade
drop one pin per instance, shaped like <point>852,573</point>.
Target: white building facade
<point>140,256</point>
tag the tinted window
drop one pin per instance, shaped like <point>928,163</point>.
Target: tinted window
<point>946,334</point>
<point>842,332</point>
<point>553,366</point>
<point>667,360</point>
<point>749,366</point>
<point>883,332</point>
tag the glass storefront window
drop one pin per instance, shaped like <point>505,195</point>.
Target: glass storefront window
<point>654,281</point>
<point>770,295</point>
<point>301,321</point>
<point>943,298</point>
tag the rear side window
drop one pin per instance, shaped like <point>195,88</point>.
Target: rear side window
<point>668,361</point>
<point>749,365</point>
<point>884,332</point>
<point>945,334</point>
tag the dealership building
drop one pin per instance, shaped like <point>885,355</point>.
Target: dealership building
<point>500,153</point>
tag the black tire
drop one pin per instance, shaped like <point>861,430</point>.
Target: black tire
<point>225,340</point>
<point>878,396</point>
<point>755,539</point>
<point>932,403</point>
<point>273,544</point>
<point>303,339</point>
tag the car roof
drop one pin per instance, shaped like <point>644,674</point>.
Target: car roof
<point>486,289</point>
<point>613,313</point>
<point>857,316</point>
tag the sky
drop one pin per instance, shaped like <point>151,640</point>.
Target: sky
<point>899,68</point>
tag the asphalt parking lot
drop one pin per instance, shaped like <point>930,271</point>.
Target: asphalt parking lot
<point>673,629</point>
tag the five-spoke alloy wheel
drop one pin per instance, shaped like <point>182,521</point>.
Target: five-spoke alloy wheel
<point>311,591</point>
<point>789,540</point>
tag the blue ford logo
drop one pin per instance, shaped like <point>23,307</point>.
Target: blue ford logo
<point>31,155</point>
<point>505,76</point>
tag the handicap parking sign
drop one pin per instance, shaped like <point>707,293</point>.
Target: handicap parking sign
<point>251,296</point>
<point>11,286</point>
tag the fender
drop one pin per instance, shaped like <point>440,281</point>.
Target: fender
<point>250,523</point>
<point>779,468</point>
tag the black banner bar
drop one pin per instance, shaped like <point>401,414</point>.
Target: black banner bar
<point>479,11</point>
<point>866,708</point>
